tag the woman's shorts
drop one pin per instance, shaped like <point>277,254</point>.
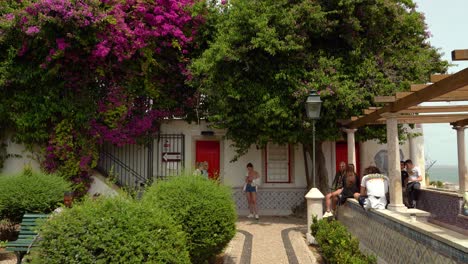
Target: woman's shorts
<point>250,188</point>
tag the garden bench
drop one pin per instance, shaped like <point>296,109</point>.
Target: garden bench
<point>27,236</point>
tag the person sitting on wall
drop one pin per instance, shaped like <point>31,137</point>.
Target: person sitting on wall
<point>404,180</point>
<point>340,174</point>
<point>374,187</point>
<point>413,186</point>
<point>348,176</point>
<point>337,187</point>
<point>351,184</point>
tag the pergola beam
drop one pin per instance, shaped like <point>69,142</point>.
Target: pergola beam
<point>460,55</point>
<point>384,99</point>
<point>419,87</point>
<point>438,77</point>
<point>451,96</point>
<point>436,109</point>
<point>444,86</point>
<point>460,123</point>
<point>429,119</point>
<point>449,84</point>
<point>420,119</point>
<point>426,109</point>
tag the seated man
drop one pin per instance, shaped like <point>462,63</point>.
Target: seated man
<point>347,178</point>
<point>413,186</point>
<point>404,180</point>
<point>375,186</point>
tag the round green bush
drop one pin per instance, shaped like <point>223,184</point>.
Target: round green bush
<point>204,208</point>
<point>111,230</point>
<point>337,244</point>
<point>30,192</point>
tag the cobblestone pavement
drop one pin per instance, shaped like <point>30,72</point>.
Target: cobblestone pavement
<point>7,258</point>
<point>272,240</point>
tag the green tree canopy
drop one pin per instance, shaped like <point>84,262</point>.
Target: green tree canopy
<point>266,55</point>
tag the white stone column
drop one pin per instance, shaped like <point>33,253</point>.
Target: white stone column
<point>351,145</point>
<point>394,173</point>
<point>462,171</point>
<point>314,208</point>
<point>416,151</point>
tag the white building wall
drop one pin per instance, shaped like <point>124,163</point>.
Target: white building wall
<point>19,159</point>
<point>101,186</point>
<point>232,173</point>
<point>375,154</point>
<point>328,148</point>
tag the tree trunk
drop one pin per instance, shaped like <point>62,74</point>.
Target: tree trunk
<point>321,172</point>
<point>305,150</point>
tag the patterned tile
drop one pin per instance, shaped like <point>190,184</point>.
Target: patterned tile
<point>443,207</point>
<point>272,198</point>
<point>396,243</point>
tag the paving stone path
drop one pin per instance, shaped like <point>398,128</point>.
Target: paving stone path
<point>272,240</point>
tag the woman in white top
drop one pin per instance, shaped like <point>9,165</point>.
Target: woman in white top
<point>251,182</point>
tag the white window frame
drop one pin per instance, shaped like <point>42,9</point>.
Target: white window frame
<point>279,160</point>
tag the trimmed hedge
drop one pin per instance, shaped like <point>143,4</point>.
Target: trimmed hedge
<point>337,244</point>
<point>30,192</point>
<point>204,208</point>
<point>111,230</point>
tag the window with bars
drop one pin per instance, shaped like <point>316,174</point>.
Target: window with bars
<point>277,163</point>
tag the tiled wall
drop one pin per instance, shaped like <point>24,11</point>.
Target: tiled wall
<point>444,207</point>
<point>394,242</point>
<point>272,199</point>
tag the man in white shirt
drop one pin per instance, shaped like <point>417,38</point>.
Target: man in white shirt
<point>413,186</point>
<point>375,186</point>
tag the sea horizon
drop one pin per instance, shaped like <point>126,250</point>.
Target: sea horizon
<point>443,173</point>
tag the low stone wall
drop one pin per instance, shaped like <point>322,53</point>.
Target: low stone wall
<point>271,201</point>
<point>445,207</point>
<point>395,238</point>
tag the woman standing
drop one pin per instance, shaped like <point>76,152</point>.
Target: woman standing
<point>252,180</point>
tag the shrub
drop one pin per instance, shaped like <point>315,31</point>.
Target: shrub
<point>204,208</point>
<point>337,244</point>
<point>111,230</point>
<point>437,184</point>
<point>30,192</point>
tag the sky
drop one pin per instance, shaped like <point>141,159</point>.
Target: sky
<point>447,22</point>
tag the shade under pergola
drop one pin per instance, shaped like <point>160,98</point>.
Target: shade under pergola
<point>405,108</point>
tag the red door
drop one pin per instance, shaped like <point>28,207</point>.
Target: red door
<point>208,151</point>
<point>342,155</point>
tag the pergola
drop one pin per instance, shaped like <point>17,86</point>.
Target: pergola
<point>404,108</point>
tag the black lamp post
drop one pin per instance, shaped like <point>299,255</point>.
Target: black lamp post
<point>313,106</point>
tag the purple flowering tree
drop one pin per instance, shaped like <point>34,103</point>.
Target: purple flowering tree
<point>78,73</point>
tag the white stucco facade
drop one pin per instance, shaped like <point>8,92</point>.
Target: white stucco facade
<point>18,158</point>
<point>233,172</point>
<point>275,198</point>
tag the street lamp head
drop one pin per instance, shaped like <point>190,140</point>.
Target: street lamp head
<point>313,105</point>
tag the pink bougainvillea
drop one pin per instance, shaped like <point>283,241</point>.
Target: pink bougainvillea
<point>116,54</point>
